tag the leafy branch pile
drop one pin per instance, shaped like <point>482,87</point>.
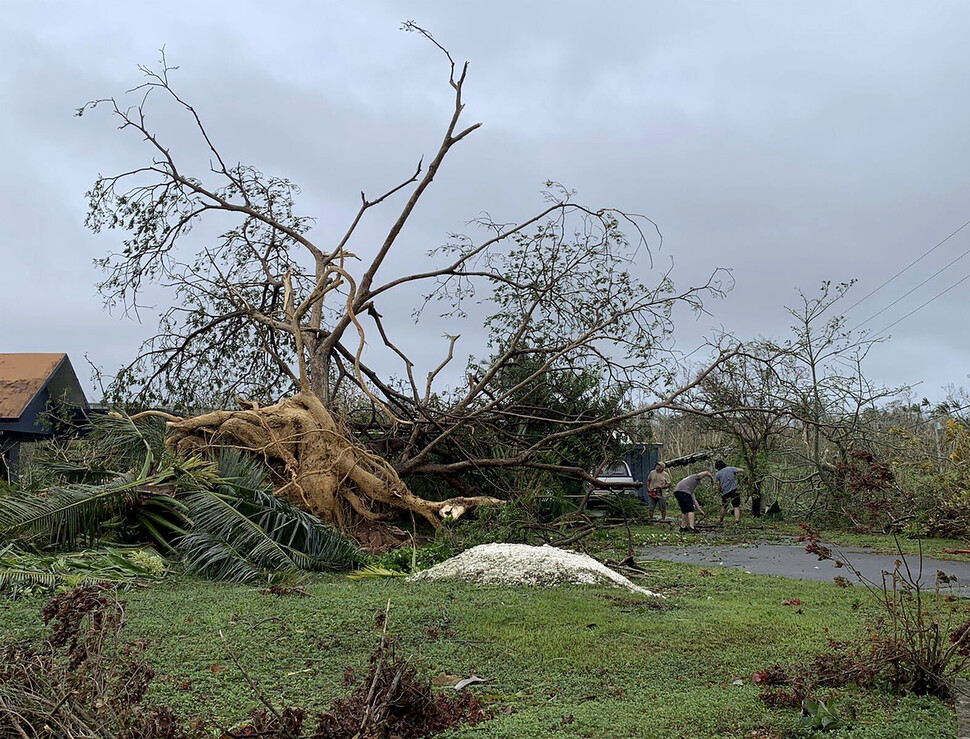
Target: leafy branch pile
<point>82,682</point>
<point>20,571</point>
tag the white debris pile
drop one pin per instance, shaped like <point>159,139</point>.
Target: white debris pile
<point>521,564</point>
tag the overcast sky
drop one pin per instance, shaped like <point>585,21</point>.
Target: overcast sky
<point>788,142</point>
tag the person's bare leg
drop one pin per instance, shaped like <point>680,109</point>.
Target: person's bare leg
<point>737,515</point>
<point>690,521</point>
<point>683,520</point>
<point>723,513</point>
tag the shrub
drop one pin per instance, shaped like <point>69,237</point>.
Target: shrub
<point>875,501</point>
<point>915,644</point>
<point>82,682</point>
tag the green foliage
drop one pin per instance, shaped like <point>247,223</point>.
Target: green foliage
<point>24,573</point>
<point>414,559</point>
<point>117,480</point>
<point>220,518</point>
<point>242,532</point>
<point>820,716</point>
<point>68,515</point>
<point>508,523</point>
<point>952,511</point>
<point>372,571</point>
<point>531,402</point>
<point>627,507</point>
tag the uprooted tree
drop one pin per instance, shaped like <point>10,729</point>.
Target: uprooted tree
<point>264,311</point>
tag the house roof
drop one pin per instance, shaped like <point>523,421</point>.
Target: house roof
<point>22,376</point>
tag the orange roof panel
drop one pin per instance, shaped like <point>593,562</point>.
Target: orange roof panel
<point>21,377</point>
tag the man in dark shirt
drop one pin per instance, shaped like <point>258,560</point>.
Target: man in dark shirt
<point>727,483</point>
<point>684,493</point>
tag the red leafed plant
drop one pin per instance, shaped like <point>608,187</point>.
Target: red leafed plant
<point>873,498</point>
<point>914,643</point>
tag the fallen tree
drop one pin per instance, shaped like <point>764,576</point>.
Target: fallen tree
<point>318,465</point>
<point>265,310</point>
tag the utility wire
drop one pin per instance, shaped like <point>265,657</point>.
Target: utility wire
<point>911,291</point>
<point>923,305</point>
<point>911,264</point>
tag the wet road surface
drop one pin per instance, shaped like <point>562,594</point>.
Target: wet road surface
<point>791,560</point>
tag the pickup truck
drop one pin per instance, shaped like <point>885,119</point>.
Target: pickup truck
<point>615,477</point>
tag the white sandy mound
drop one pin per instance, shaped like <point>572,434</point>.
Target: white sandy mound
<point>521,564</point>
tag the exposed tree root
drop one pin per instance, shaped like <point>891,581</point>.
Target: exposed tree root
<point>319,468</point>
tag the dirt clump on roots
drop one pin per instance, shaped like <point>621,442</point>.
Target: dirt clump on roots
<point>318,467</point>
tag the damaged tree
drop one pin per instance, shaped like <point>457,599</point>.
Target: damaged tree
<point>265,311</point>
<point>321,469</point>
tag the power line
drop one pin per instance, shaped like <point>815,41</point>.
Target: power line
<point>911,264</point>
<point>923,305</point>
<point>912,290</point>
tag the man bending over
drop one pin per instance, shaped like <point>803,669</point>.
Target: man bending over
<point>684,493</point>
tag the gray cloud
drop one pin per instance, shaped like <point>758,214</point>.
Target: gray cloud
<point>788,146</point>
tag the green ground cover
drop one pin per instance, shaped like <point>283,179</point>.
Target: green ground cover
<point>569,661</point>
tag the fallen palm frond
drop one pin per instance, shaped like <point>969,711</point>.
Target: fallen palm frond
<point>71,514</point>
<point>369,572</point>
<point>242,532</point>
<point>220,517</point>
<point>22,570</point>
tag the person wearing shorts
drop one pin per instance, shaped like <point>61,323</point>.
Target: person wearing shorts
<point>684,493</point>
<point>658,481</point>
<point>727,483</point>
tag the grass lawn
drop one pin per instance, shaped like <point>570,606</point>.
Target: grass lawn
<point>569,661</point>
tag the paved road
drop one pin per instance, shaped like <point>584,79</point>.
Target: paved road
<point>791,560</point>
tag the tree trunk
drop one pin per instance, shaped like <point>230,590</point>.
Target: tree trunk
<point>319,370</point>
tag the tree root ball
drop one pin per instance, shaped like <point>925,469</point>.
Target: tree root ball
<point>318,467</point>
